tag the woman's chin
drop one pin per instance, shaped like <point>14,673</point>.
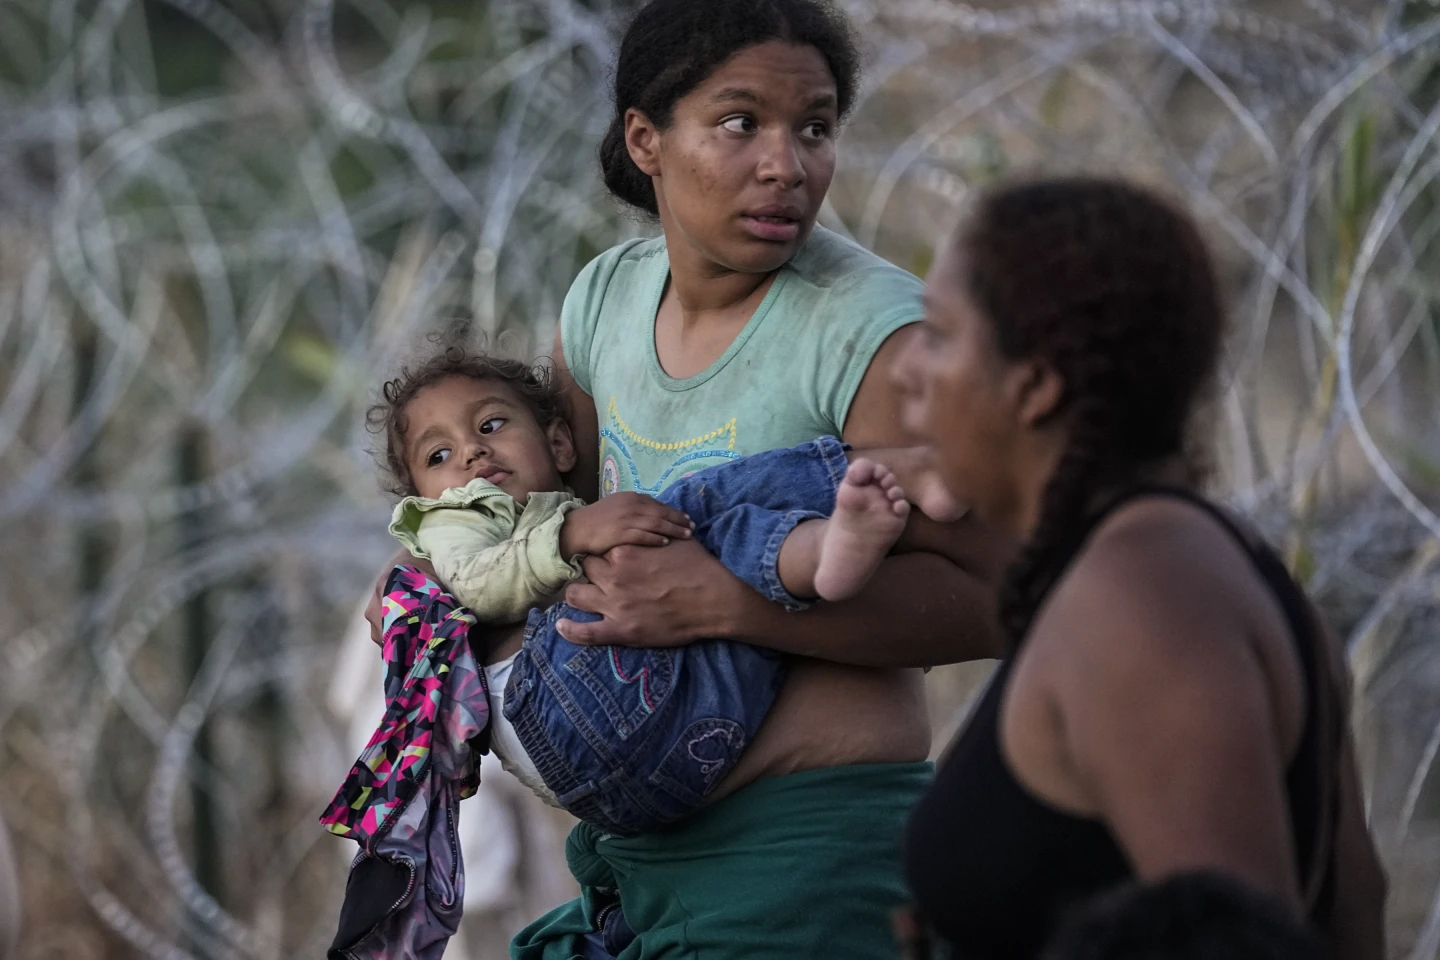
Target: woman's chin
<point>761,261</point>
<point>972,495</point>
<point>751,254</point>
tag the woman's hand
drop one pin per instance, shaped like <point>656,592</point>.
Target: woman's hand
<point>657,597</point>
<point>374,611</point>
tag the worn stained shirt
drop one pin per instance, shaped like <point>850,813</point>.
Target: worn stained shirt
<point>497,557</point>
<point>789,376</point>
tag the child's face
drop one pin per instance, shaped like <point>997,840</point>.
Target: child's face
<point>458,429</point>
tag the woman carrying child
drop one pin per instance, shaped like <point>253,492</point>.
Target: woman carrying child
<point>745,328</point>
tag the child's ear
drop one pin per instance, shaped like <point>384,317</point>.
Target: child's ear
<point>562,445</point>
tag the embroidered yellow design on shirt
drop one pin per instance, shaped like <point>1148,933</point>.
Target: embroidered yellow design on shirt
<point>727,428</point>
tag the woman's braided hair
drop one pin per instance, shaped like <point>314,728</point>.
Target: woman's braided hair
<point>1115,289</point>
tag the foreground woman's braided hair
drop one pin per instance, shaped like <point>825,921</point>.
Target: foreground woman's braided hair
<point>1114,288</point>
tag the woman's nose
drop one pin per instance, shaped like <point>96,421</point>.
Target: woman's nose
<point>781,162</point>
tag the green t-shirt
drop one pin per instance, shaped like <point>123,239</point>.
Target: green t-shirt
<point>789,376</point>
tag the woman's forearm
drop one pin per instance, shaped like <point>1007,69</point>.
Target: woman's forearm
<point>919,610</point>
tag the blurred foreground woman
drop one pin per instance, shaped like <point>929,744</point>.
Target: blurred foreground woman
<point>1171,702</point>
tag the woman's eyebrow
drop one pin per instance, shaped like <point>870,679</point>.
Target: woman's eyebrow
<point>729,94</point>
<point>820,102</point>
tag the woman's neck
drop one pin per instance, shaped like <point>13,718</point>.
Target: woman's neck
<point>1174,471</point>
<point>702,287</point>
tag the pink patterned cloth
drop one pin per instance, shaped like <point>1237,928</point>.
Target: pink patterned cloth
<point>400,802</point>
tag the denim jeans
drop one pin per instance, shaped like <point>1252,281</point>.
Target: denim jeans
<point>613,934</point>
<point>633,739</point>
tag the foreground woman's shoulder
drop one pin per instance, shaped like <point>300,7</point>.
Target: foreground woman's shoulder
<point>1159,578</point>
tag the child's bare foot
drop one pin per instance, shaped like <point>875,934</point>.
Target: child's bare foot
<point>914,468</point>
<point>870,512</point>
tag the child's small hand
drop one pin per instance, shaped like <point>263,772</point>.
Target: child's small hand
<point>621,518</point>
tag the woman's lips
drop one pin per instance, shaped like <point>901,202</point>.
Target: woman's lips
<point>775,229</point>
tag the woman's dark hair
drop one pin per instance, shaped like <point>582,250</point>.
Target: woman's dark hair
<point>673,45</point>
<point>1201,915</point>
<point>532,383</point>
<point>1114,288</point>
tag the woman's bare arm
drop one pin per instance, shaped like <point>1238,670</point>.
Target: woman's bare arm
<point>1177,739</point>
<point>1175,710</point>
<point>1182,731</point>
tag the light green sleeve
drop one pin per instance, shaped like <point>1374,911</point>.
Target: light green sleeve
<point>863,310</point>
<point>580,313</point>
<point>498,559</point>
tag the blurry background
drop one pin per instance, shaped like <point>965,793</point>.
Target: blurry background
<point>223,223</point>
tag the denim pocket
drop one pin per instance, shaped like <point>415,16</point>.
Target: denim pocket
<point>699,758</point>
<point>630,685</point>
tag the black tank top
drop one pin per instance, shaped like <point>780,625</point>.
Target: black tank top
<point>993,869</point>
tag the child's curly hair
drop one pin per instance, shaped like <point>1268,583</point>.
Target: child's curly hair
<point>532,382</point>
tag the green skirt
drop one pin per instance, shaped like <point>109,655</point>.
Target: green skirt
<point>805,865</point>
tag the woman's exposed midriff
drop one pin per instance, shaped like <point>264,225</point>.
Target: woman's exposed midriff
<point>835,715</point>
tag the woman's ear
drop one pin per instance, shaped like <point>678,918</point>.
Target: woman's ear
<point>562,445</point>
<point>1037,391</point>
<point>642,139</point>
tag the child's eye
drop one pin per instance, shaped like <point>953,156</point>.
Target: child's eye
<point>816,130</point>
<point>438,457</point>
<point>740,124</point>
<point>491,425</point>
